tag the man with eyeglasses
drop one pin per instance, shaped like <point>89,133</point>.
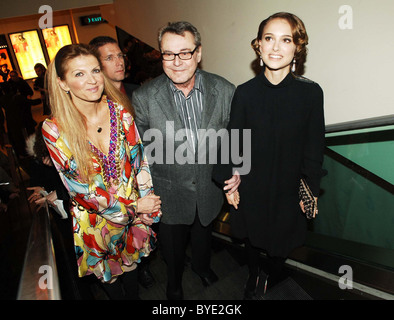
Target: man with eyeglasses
<point>184,97</point>
<point>112,62</point>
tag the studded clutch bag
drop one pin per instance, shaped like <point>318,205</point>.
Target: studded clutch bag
<point>308,199</point>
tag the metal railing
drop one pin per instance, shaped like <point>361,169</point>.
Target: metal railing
<point>39,279</point>
<point>361,124</point>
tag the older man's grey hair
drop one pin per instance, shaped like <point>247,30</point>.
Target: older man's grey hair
<point>179,28</point>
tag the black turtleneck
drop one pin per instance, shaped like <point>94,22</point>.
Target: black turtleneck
<point>287,128</point>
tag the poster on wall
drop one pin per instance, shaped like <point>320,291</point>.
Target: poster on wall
<point>5,65</point>
<point>28,52</point>
<point>56,38</point>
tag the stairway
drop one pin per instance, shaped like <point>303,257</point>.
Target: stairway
<point>232,276</point>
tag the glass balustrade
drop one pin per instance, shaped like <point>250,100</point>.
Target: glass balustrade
<point>356,204</point>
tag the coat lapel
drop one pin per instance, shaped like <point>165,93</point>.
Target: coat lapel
<point>210,103</point>
<point>210,93</point>
<point>165,100</point>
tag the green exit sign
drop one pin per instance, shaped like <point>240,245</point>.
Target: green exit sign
<point>92,19</point>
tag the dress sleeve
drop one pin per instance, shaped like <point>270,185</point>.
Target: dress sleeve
<point>315,141</point>
<point>93,197</point>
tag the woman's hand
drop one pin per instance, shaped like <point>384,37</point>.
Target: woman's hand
<point>146,219</point>
<point>233,198</point>
<point>47,161</point>
<point>36,194</point>
<point>51,198</point>
<point>148,204</point>
<point>303,209</point>
<point>302,206</point>
<point>39,199</point>
<point>40,203</point>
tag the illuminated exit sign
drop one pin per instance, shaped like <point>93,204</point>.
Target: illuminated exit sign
<point>92,19</point>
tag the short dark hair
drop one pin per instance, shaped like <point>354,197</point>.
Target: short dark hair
<point>179,28</point>
<point>39,65</point>
<point>98,42</point>
<point>300,37</point>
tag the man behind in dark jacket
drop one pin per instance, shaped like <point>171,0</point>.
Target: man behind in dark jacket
<point>112,62</point>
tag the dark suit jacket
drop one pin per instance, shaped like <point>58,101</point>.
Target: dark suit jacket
<point>129,88</point>
<point>183,188</point>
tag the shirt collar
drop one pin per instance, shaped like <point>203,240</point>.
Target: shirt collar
<point>285,82</point>
<point>197,84</point>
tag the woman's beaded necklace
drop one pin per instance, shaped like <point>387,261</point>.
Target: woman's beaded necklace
<point>111,164</point>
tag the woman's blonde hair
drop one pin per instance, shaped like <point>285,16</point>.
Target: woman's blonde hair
<point>300,37</point>
<point>71,122</point>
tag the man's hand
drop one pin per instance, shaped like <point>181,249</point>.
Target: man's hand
<point>233,183</point>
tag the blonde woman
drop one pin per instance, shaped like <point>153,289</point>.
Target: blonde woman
<point>96,148</point>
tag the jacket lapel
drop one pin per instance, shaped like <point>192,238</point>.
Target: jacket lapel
<point>165,101</point>
<point>210,93</point>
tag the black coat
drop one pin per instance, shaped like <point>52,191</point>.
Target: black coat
<point>287,143</point>
<point>129,89</point>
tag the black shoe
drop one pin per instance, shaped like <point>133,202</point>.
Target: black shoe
<point>250,287</point>
<point>256,287</point>
<point>208,279</point>
<point>261,288</point>
<point>145,278</point>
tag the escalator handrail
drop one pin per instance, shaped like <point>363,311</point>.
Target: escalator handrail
<point>39,279</point>
<point>386,185</point>
<point>361,124</point>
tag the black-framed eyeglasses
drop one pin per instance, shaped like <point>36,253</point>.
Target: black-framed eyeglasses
<point>187,55</point>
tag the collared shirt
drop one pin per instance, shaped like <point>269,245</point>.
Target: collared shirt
<point>190,109</point>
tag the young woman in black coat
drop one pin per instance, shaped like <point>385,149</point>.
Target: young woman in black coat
<point>284,112</point>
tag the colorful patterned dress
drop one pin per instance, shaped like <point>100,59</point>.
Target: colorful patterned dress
<point>109,237</point>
